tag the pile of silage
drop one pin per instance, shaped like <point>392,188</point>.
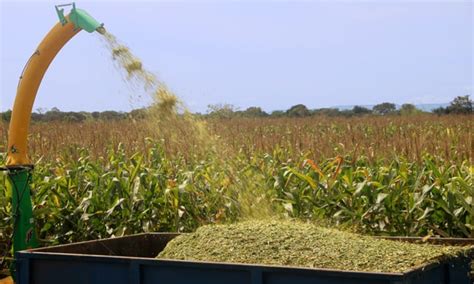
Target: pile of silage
<point>292,243</point>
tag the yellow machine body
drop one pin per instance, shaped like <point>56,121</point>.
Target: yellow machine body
<point>28,86</point>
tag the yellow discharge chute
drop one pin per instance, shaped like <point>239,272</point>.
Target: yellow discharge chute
<point>28,86</point>
<point>33,73</point>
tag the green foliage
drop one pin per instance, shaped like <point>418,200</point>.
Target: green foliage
<point>409,109</point>
<point>460,105</point>
<point>361,110</point>
<point>253,112</point>
<point>384,108</point>
<point>221,110</point>
<point>278,113</point>
<point>401,198</point>
<point>329,112</point>
<point>299,110</point>
<point>123,194</point>
<point>5,116</point>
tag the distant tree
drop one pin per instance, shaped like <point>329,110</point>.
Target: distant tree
<point>6,116</point>
<point>440,110</point>
<point>87,115</point>
<point>74,116</point>
<point>460,105</point>
<point>278,113</point>
<point>111,115</point>
<point>409,109</point>
<point>221,110</point>
<point>41,110</point>
<point>254,112</point>
<point>384,108</point>
<point>326,111</point>
<point>360,110</point>
<point>95,115</point>
<point>37,116</point>
<point>299,110</point>
<point>345,112</point>
<point>53,114</point>
<point>138,113</point>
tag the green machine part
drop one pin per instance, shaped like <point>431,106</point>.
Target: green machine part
<point>24,234</point>
<point>80,18</point>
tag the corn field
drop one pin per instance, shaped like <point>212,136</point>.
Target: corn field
<point>410,176</point>
<point>447,137</point>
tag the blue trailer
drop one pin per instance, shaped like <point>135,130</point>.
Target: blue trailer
<point>131,260</point>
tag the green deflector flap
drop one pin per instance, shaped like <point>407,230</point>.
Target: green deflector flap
<point>83,20</point>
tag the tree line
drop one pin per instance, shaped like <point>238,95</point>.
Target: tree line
<point>460,105</point>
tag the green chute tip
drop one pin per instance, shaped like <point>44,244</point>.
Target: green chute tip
<point>80,18</point>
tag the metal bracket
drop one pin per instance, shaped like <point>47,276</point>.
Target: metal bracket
<point>60,12</point>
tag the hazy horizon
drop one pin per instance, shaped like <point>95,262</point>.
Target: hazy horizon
<point>422,107</point>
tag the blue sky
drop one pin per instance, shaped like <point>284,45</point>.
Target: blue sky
<point>272,54</point>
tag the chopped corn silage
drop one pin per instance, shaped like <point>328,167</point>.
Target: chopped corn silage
<point>294,243</point>
<point>168,120</point>
<point>167,117</point>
